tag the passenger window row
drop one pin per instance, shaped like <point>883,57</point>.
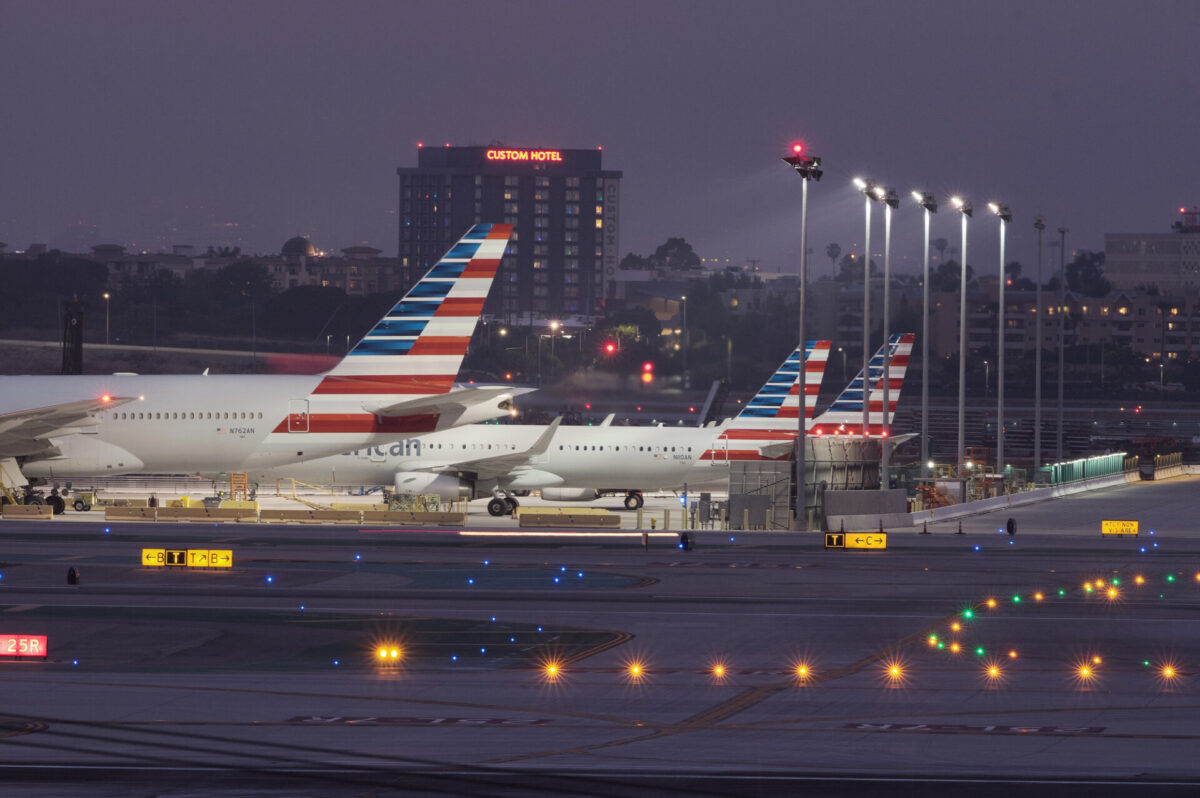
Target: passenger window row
<point>185,416</point>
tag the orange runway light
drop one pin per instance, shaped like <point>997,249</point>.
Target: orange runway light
<point>955,647</point>
<point>1096,660</point>
<point>1037,597</point>
<point>803,671</point>
<point>991,603</point>
<point>956,626</point>
<point>1012,654</point>
<point>1139,579</point>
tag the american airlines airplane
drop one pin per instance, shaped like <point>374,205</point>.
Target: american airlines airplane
<point>584,463</point>
<point>398,380</point>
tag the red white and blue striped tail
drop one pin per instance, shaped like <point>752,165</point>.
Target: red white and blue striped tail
<point>844,416</point>
<point>418,347</point>
<point>772,416</point>
<point>776,406</point>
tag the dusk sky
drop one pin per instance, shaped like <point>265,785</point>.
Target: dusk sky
<point>244,123</point>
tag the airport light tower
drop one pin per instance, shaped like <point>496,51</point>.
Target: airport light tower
<point>888,197</point>
<point>1000,210</point>
<point>926,201</point>
<point>809,168</point>
<point>964,207</point>
<point>868,190</point>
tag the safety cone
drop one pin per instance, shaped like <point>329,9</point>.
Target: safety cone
<point>959,532</point>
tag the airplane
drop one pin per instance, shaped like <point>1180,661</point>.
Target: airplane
<point>398,380</point>
<point>569,464</point>
<point>565,464</point>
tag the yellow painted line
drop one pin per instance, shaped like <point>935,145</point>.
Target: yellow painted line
<point>23,607</point>
<point>619,638</point>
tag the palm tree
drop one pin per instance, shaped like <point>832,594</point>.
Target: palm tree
<point>832,251</point>
<point>940,245</point>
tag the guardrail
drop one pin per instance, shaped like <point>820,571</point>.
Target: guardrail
<point>591,520</point>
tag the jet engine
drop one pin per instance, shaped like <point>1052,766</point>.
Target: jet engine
<point>447,486</point>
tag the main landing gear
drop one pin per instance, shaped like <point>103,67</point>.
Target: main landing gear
<point>634,500</point>
<point>502,505</point>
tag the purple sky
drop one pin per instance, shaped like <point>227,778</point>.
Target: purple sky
<point>155,123</point>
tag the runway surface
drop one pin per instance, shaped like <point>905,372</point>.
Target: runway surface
<point>752,664</point>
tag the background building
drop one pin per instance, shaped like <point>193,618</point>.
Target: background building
<point>1170,261</point>
<point>564,208</point>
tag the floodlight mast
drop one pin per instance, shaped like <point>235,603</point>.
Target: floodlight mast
<point>964,207</point>
<point>1005,216</point>
<point>889,199</point>
<point>809,168</point>
<point>868,190</point>
<point>929,204</point>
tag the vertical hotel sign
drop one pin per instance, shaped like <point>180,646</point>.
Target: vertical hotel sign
<point>611,238</point>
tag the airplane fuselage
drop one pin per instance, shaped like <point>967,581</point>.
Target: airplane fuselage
<point>604,458</point>
<point>200,423</point>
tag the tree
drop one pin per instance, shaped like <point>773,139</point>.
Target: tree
<point>1015,281</point>
<point>676,255</point>
<point>832,251</point>
<point>947,277</point>
<point>851,269</point>
<point>940,245</point>
<point>1085,274</point>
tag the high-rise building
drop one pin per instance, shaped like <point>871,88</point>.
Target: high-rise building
<point>563,206</point>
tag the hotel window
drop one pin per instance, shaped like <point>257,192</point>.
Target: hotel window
<point>479,180</point>
<point>541,182</point>
<point>600,212</point>
<point>599,224</point>
<point>541,195</point>
<point>571,235</point>
<point>572,209</point>
<point>572,223</point>
<point>541,249</point>
<point>572,182</point>
<point>540,263</point>
<point>510,220</point>
<point>512,207</point>
<point>572,196</point>
<point>541,208</point>
<point>511,180</point>
<point>512,194</point>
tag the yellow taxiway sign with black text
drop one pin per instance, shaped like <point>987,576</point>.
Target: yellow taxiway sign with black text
<point>866,540</point>
<point>188,558</point>
<point>1119,528</point>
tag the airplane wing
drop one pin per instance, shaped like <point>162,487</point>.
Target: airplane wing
<point>459,399</point>
<point>608,420</point>
<point>502,464</point>
<point>24,432</point>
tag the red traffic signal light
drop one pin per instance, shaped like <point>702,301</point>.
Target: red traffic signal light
<point>647,367</point>
<point>609,348</point>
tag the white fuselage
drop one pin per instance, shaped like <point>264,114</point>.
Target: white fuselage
<point>604,458</point>
<point>198,423</point>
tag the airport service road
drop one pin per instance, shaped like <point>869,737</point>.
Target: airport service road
<point>181,671</point>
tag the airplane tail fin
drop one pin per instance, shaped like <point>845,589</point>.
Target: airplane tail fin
<point>419,345</point>
<point>777,403</point>
<point>844,416</point>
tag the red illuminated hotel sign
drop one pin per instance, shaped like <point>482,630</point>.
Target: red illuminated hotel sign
<point>22,645</point>
<point>524,155</point>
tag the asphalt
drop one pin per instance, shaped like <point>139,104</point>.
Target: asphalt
<point>265,678</point>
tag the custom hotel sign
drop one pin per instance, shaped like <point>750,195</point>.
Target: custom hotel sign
<point>542,156</point>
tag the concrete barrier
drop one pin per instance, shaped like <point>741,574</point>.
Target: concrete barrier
<point>408,517</point>
<point>206,514</point>
<point>591,520</point>
<point>561,511</point>
<point>28,512</point>
<point>310,516</point>
<point>130,513</point>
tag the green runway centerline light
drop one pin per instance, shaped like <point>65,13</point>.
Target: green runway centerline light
<point>979,652</point>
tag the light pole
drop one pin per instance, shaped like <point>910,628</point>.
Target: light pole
<point>927,202</point>
<point>1039,223</point>
<point>107,296</point>
<point>964,207</point>
<point>1001,210</point>
<point>1062,330</point>
<point>987,378</point>
<point>868,190</point>
<point>842,349</point>
<point>888,197</point>
<point>809,168</point>
<point>683,303</point>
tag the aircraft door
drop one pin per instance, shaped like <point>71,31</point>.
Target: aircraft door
<point>297,415</point>
<point>720,451</point>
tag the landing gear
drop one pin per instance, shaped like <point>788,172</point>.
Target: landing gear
<point>502,505</point>
<point>634,500</point>
<point>57,504</point>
